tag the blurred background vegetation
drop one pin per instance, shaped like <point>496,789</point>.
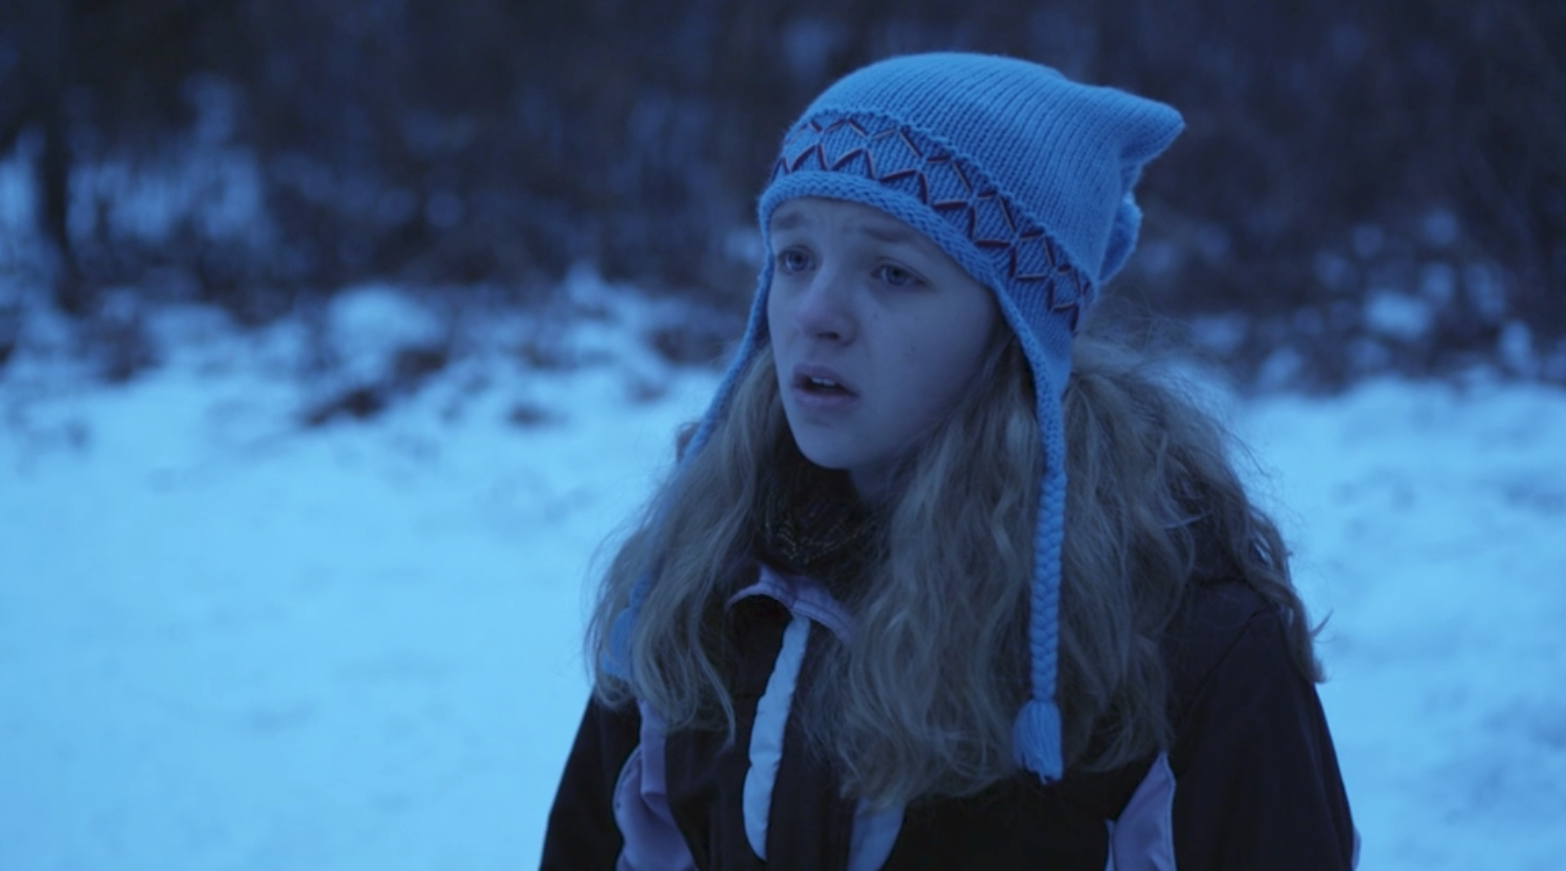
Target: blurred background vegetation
<point>1362,188</point>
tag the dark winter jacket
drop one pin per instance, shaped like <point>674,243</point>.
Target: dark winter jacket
<point>1250,781</point>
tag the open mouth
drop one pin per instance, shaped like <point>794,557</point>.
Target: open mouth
<point>811,379</point>
<point>822,386</point>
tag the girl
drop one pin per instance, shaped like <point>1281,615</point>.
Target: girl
<point>940,582</point>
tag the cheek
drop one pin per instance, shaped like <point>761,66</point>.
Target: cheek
<point>943,368</point>
<point>776,339</point>
<point>775,317</point>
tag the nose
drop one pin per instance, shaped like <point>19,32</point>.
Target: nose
<point>822,310</point>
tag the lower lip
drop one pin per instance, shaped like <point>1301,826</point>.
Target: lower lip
<point>812,400</point>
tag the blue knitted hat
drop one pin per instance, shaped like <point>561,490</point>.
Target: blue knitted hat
<point>1022,177</point>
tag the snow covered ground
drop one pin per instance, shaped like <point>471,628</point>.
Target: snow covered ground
<point>230,642</point>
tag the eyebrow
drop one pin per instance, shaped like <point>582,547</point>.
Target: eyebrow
<point>885,232</point>
<point>891,234</point>
<point>787,219</point>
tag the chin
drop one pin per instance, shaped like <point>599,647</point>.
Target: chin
<point>824,459</point>
<point>827,456</point>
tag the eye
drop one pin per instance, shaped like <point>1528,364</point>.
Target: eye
<point>896,276</point>
<point>793,260</point>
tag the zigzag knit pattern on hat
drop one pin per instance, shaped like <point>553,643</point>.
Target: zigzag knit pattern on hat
<point>903,159</point>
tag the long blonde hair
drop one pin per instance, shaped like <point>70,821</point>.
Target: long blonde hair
<point>920,703</point>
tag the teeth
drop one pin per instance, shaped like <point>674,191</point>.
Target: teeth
<point>822,382</point>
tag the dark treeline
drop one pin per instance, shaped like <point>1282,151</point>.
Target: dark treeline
<point>1372,185</point>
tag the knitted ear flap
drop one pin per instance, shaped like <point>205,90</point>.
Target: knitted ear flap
<point>1122,238</point>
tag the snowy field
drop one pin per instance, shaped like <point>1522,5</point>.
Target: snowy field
<point>231,642</point>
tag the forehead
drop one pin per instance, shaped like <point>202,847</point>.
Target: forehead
<point>816,214</point>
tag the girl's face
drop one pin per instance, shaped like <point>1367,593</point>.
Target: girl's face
<point>876,333</point>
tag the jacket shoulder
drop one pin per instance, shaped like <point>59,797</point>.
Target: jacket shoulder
<point>1222,627</point>
<point>1258,778</point>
